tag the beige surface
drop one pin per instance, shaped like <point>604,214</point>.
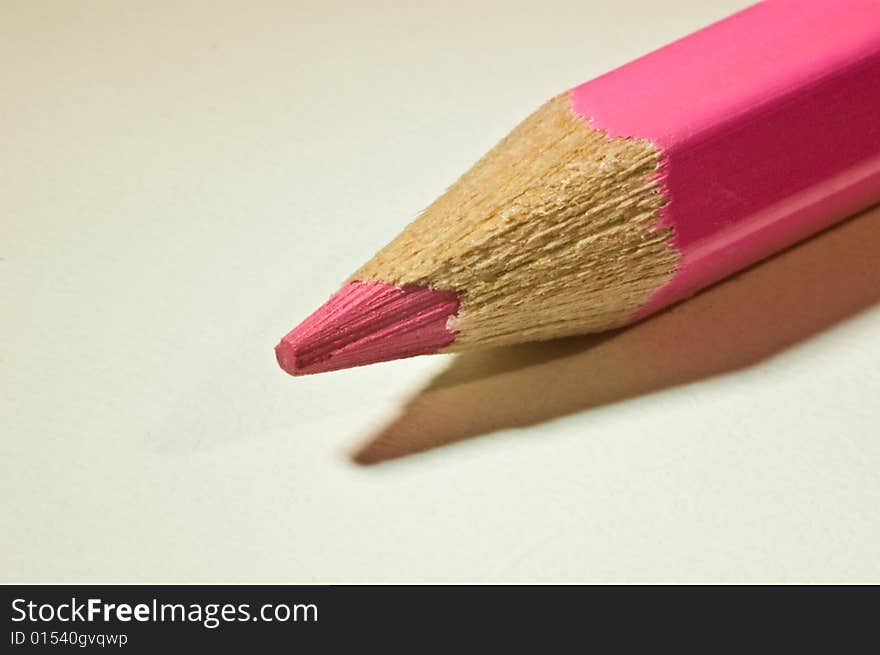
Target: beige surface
<point>172,172</point>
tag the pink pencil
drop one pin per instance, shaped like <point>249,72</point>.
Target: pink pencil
<point>629,193</point>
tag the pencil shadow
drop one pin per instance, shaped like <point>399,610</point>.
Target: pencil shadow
<point>735,324</point>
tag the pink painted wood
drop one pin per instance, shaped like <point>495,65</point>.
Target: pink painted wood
<point>769,127</point>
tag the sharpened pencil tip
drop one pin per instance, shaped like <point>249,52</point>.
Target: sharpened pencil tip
<point>368,322</point>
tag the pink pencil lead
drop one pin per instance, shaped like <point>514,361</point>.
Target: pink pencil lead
<point>369,322</point>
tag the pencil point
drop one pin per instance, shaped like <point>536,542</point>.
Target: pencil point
<point>368,322</point>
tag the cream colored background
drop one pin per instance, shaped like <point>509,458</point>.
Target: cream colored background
<point>182,182</point>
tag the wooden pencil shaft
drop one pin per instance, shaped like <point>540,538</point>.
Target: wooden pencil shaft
<point>630,192</point>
